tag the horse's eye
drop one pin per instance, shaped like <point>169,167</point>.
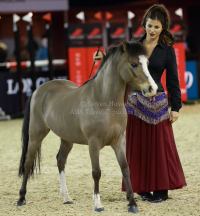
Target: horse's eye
<point>134,65</point>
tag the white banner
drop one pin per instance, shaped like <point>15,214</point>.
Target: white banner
<point>15,6</point>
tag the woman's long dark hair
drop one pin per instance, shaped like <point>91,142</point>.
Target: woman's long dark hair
<point>160,12</point>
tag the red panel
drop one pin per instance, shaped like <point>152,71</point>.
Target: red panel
<point>180,59</point>
<point>78,65</point>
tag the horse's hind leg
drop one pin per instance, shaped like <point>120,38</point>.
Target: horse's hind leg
<point>120,152</point>
<point>34,144</point>
<point>64,150</point>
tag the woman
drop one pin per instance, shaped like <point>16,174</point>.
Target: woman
<point>151,151</point>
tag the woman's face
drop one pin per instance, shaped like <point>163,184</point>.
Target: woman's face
<point>153,28</point>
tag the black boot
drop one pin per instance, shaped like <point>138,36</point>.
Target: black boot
<point>149,197</point>
<point>161,193</point>
<point>145,196</point>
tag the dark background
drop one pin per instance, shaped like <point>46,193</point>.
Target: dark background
<point>91,3</point>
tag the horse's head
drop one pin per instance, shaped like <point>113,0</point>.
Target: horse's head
<point>133,68</point>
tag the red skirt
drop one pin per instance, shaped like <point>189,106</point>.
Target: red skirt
<point>152,156</point>
<point>150,146</point>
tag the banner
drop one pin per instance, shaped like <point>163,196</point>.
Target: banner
<point>33,5</point>
<point>137,31</point>
<point>116,33</point>
<point>191,79</point>
<point>77,35</point>
<point>77,53</point>
<point>9,88</point>
<point>93,34</point>
<point>84,40</point>
<point>177,30</point>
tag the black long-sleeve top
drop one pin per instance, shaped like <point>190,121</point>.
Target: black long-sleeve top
<point>163,57</point>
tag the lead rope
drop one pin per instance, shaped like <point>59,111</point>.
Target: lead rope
<point>94,62</point>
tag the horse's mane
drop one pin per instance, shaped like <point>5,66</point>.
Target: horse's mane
<point>133,48</point>
<point>110,52</point>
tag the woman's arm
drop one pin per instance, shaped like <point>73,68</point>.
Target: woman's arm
<point>172,83</point>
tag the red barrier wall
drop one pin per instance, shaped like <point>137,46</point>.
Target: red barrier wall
<point>80,63</point>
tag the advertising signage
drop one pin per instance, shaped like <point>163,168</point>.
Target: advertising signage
<point>9,88</point>
<point>33,5</point>
<point>191,79</point>
<point>84,40</point>
<point>83,35</point>
<point>116,33</point>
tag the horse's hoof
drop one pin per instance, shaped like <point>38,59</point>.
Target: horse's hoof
<point>21,203</point>
<point>68,202</point>
<point>99,209</point>
<point>133,209</point>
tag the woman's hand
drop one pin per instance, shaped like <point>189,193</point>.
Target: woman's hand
<point>98,57</point>
<point>173,116</point>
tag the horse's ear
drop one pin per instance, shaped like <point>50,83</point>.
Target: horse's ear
<point>124,44</point>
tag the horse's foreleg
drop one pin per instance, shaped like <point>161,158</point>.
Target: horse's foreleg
<point>65,148</point>
<point>94,149</point>
<point>120,152</point>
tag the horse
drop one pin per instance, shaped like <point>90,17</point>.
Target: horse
<point>92,114</point>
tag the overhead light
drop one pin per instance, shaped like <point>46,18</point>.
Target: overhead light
<point>27,18</point>
<point>81,16</point>
<point>16,18</point>
<point>30,14</point>
<point>179,12</point>
<point>130,15</point>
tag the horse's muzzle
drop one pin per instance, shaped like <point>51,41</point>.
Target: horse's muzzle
<point>149,91</point>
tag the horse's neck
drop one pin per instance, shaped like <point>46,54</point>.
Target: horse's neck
<point>109,83</point>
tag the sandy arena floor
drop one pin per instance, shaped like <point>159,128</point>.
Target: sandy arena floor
<point>43,196</point>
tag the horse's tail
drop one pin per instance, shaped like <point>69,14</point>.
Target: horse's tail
<point>25,140</point>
